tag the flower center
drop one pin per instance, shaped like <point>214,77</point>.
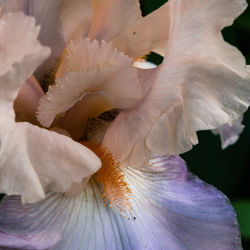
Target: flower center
<point>116,192</point>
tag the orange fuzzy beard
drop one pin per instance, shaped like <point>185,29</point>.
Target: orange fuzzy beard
<point>116,192</point>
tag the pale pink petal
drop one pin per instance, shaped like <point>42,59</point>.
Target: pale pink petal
<point>47,14</point>
<point>18,60</point>
<point>34,160</point>
<point>28,99</point>
<point>98,77</point>
<point>112,17</point>
<point>147,34</point>
<point>229,134</point>
<point>76,18</point>
<point>202,84</point>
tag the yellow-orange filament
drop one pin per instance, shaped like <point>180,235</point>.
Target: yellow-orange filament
<point>116,192</point>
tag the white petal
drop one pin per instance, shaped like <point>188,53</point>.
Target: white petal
<point>229,134</point>
<point>202,84</point>
<point>34,160</point>
<point>47,14</point>
<point>171,210</point>
<point>92,69</point>
<point>111,17</point>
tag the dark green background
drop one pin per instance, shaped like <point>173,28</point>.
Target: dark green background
<point>228,170</point>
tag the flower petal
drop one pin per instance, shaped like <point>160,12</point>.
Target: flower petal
<point>92,68</point>
<point>47,14</point>
<point>17,60</point>
<point>111,17</point>
<point>27,100</point>
<point>77,27</point>
<point>171,210</point>
<point>34,160</point>
<point>229,134</point>
<point>202,83</point>
<point>143,36</point>
<point>43,240</point>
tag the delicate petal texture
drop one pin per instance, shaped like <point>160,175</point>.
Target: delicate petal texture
<point>93,69</point>
<point>43,240</point>
<point>32,159</point>
<point>171,210</point>
<point>111,17</point>
<point>76,18</point>
<point>229,134</point>
<point>47,14</point>
<point>202,83</point>
<point>17,60</point>
<point>147,34</point>
<point>27,100</point>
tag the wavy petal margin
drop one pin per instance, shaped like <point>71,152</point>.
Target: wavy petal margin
<point>32,160</point>
<point>202,84</point>
<point>172,209</point>
<point>229,134</point>
<point>48,16</point>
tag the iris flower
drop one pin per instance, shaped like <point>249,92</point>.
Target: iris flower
<point>90,143</point>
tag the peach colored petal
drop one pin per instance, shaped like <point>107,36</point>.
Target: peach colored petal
<point>94,69</point>
<point>111,17</point>
<point>146,34</point>
<point>27,100</point>
<point>17,60</point>
<point>76,18</point>
<point>47,14</point>
<point>202,84</point>
<point>32,160</point>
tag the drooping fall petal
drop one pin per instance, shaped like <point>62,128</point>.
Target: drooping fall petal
<point>171,210</point>
<point>202,83</point>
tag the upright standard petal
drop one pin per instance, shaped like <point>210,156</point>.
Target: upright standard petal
<point>32,160</point>
<point>202,83</point>
<point>171,210</point>
<point>146,34</point>
<point>76,18</point>
<point>111,17</point>
<point>47,14</point>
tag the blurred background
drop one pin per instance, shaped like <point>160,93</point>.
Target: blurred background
<point>229,169</point>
